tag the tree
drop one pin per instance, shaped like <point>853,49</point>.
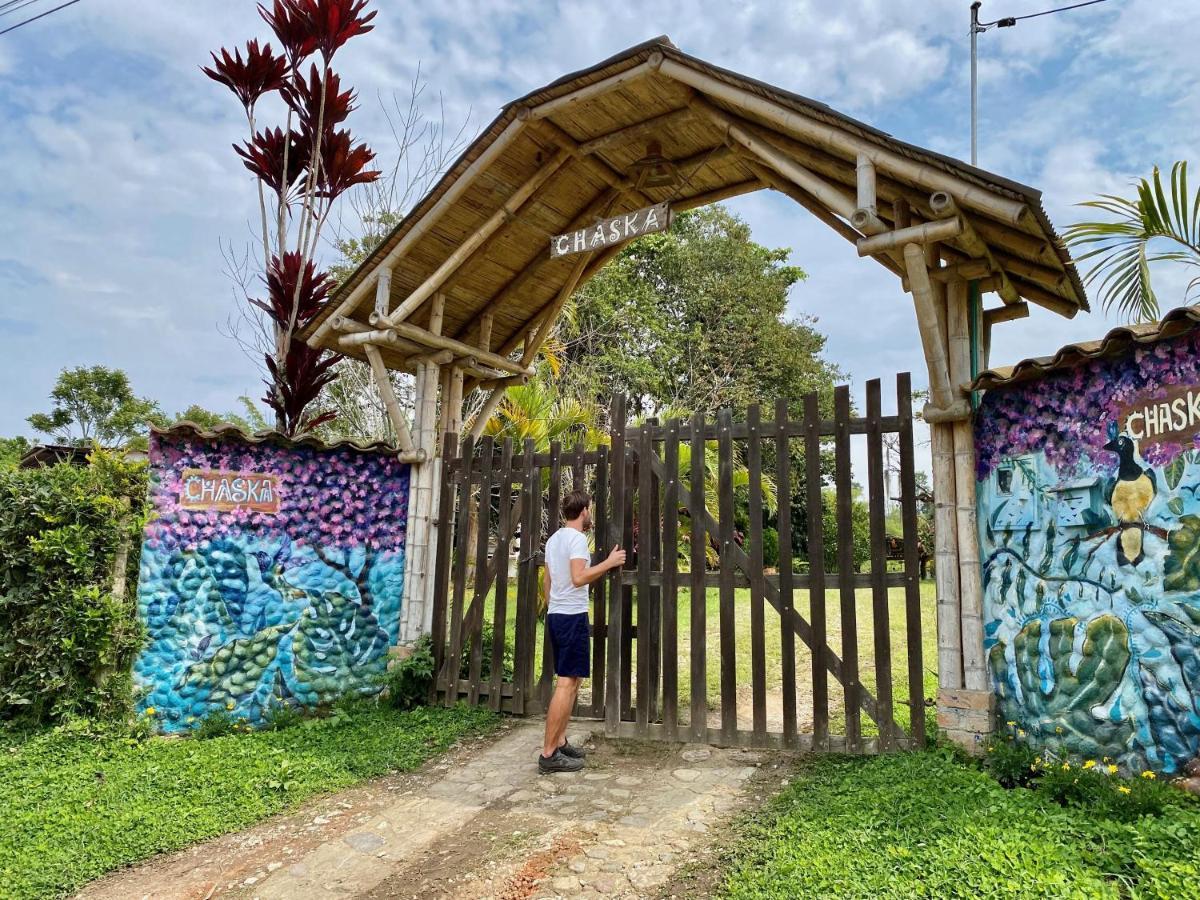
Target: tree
<point>693,319</point>
<point>300,168</point>
<point>1124,249</point>
<point>249,420</point>
<point>94,404</point>
<point>11,451</point>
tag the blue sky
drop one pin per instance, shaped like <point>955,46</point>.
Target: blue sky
<point>120,185</point>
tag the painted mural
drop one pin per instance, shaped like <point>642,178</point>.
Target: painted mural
<point>269,575</point>
<point>1089,520</point>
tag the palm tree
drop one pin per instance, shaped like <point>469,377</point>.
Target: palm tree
<point>1122,248</point>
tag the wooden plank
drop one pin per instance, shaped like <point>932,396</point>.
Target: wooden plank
<point>845,538</point>
<point>876,514</point>
<point>500,604</point>
<point>483,521</point>
<point>670,586</point>
<point>578,472</point>
<point>628,632</point>
<point>645,561</point>
<point>912,564</point>
<point>546,682</point>
<point>699,589</point>
<point>795,429</point>
<point>600,587</point>
<point>654,629</point>
<point>441,573</point>
<point>787,634</point>
<point>861,580</point>
<point>537,560</point>
<point>758,587</point>
<point>526,606</point>
<point>612,696</point>
<point>461,540</point>
<point>727,613</point>
<point>816,569</point>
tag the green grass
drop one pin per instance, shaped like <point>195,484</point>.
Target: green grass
<point>74,806</point>
<point>929,825</point>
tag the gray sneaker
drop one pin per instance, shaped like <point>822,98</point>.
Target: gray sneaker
<point>558,762</point>
<point>574,752</point>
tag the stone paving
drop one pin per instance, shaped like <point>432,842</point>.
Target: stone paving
<point>483,823</point>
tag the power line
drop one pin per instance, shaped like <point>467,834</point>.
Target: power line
<point>15,5</point>
<point>1010,21</point>
<point>39,16</point>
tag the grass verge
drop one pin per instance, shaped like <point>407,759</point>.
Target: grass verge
<point>929,825</point>
<point>76,805</point>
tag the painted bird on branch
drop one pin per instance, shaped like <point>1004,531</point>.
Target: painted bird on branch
<point>1130,495</point>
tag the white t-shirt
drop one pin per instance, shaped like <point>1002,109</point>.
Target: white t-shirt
<point>565,545</point>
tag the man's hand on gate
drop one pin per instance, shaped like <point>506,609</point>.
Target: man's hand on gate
<point>616,558</point>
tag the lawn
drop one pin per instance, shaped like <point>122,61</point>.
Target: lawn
<point>928,825</point>
<point>76,806</point>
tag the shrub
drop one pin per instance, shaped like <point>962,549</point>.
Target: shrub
<point>409,682</point>
<point>67,641</point>
<point>770,547</point>
<point>217,723</point>
<point>1011,762</point>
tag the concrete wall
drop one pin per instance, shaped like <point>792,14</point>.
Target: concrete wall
<point>268,575</point>
<point>1089,520</point>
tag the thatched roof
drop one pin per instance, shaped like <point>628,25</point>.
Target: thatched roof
<point>586,146</point>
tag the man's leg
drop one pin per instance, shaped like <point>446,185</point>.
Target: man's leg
<point>559,713</point>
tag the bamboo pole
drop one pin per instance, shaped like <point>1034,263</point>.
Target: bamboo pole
<point>489,407</point>
<point>383,291</point>
<point>826,135</point>
<point>970,583</point>
<point>661,121</point>
<point>456,189</point>
<point>464,250</point>
<point>454,421</point>
<point>1005,314</point>
<point>611,83</point>
<point>559,137</point>
<point>548,316</point>
<point>925,233</point>
<point>944,205</point>
<point>471,355</point>
<point>932,335</point>
<point>864,171</point>
<point>945,555</point>
<point>384,385</point>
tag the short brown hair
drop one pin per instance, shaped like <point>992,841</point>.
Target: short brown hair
<point>574,503</point>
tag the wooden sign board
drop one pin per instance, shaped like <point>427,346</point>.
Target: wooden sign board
<point>616,230</point>
<point>1173,418</point>
<point>226,491</point>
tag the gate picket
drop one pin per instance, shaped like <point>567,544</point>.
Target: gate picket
<point>462,538</point>
<point>845,532</point>
<point>787,634</point>
<point>500,604</point>
<point>912,563</point>
<point>699,585</point>
<point>483,522</point>
<point>613,700</point>
<point>601,586</point>
<point>726,608</point>
<point>670,587</point>
<point>546,681</point>
<point>644,563</point>
<point>441,575</point>
<point>816,569</point>
<point>526,602</point>
<point>876,495</point>
<point>758,586</point>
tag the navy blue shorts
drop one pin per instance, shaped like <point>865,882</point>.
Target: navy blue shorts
<point>569,640</point>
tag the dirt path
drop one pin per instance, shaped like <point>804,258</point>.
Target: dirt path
<point>481,823</point>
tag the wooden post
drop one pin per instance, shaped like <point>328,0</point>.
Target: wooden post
<point>932,336</point>
<point>970,584</point>
<point>384,385</point>
<point>383,291</point>
<point>455,405</point>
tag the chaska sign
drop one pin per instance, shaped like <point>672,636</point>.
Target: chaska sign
<point>1174,417</point>
<point>225,491</point>
<point>616,230</point>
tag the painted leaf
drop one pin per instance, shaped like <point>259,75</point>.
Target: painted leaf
<point>339,648</point>
<point>1174,471</point>
<point>1175,505</point>
<point>1181,571</point>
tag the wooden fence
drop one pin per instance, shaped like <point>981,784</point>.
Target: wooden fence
<point>804,686</point>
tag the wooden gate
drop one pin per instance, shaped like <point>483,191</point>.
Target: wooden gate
<point>698,639</point>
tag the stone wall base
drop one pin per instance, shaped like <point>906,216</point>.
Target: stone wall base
<point>968,718</point>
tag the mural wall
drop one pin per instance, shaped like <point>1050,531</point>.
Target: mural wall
<point>1090,531</point>
<point>269,575</point>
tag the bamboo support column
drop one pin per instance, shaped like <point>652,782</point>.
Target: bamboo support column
<point>958,313</point>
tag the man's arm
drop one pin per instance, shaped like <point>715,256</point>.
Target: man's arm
<point>546,585</point>
<point>582,573</point>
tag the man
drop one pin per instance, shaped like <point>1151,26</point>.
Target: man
<point>566,585</point>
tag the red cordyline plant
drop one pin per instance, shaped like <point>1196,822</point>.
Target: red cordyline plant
<point>301,167</point>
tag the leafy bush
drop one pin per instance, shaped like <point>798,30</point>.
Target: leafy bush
<point>770,547</point>
<point>67,641</point>
<point>409,681</point>
<point>217,723</point>
<point>1011,762</point>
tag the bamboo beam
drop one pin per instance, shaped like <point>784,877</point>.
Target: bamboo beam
<point>384,385</point>
<point>1005,313</point>
<point>455,405</point>
<point>601,201</point>
<point>944,205</point>
<point>490,405</point>
<point>865,172</point>
<point>925,233</point>
<point>1043,297</point>
<point>603,170</point>
<point>383,291</point>
<point>437,341</point>
<point>958,313</point>
<point>832,197</point>
<point>932,337</point>
<point>971,269</point>
<point>456,189</point>
<point>825,135</point>
<point>611,83</point>
<point>717,195</point>
<point>604,141</point>
<point>464,250</point>
<point>485,331</point>
<point>506,382</point>
<point>548,316</point>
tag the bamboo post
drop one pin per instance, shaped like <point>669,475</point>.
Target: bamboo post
<point>384,385</point>
<point>970,583</point>
<point>932,335</point>
<point>454,420</point>
<point>383,291</point>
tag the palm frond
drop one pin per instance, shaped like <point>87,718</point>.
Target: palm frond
<point>1121,248</point>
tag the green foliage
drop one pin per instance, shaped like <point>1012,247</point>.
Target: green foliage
<point>11,451</point>
<point>250,419</point>
<point>770,541</point>
<point>410,680</point>
<point>1122,249</point>
<point>1011,762</point>
<point>860,524</point>
<point>94,404</point>
<point>217,723</point>
<point>693,318</point>
<point>930,825</point>
<point>81,802</point>
<point>1181,571</point>
<point>1064,714</point>
<point>66,641</point>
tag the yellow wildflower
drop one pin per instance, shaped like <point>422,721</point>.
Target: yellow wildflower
<point>1066,766</point>
<point>1058,730</point>
<point>1149,774</point>
<point>191,719</point>
<point>1090,764</point>
<point>230,705</point>
<point>150,710</point>
<point>1020,733</point>
<point>1011,724</point>
<point>1112,770</point>
<point>1124,790</point>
